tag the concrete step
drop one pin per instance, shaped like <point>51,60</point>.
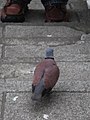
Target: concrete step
<point>74,76</point>
<point>58,106</point>
<point>79,15</point>
<point>22,47</point>
<point>18,31</point>
<point>66,51</point>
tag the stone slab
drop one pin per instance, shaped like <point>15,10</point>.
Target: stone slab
<point>69,70</point>
<point>0,104</point>
<point>59,106</point>
<point>74,70</point>
<point>1,87</point>
<point>0,32</point>
<point>46,41</point>
<point>87,36</point>
<point>18,84</point>
<point>0,110</point>
<point>69,50</point>
<point>0,51</point>
<point>74,76</point>
<point>72,85</point>
<point>12,31</point>
<point>34,4</point>
<point>22,84</point>
<point>24,51</point>
<point>2,3</point>
<point>78,5</point>
<point>16,70</point>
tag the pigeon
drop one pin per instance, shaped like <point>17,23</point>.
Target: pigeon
<point>46,75</point>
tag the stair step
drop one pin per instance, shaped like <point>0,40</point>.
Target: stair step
<point>12,31</point>
<point>58,106</point>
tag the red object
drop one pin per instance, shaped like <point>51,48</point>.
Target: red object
<point>45,77</point>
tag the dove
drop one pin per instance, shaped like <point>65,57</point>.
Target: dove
<point>45,77</point>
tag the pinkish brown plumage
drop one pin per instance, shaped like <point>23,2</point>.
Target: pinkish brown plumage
<point>45,76</point>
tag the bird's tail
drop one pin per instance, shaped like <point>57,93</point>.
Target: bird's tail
<point>37,94</point>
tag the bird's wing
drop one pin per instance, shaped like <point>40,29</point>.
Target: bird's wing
<point>51,76</point>
<point>38,74</point>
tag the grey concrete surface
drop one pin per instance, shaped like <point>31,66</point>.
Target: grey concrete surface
<point>22,47</point>
<point>69,70</point>
<point>0,101</point>
<point>59,106</point>
<point>39,31</point>
<point>1,87</point>
<point>73,77</point>
<point>0,32</point>
<point>78,50</point>
<point>0,51</point>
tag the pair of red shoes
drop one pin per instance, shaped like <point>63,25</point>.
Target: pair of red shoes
<point>14,11</point>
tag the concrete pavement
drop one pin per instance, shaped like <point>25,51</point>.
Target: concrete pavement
<point>22,46</point>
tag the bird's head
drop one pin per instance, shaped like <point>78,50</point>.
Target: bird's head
<point>49,53</point>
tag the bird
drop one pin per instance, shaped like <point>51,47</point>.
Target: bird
<point>45,77</point>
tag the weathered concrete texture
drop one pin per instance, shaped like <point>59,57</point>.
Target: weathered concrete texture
<point>0,51</point>
<point>18,84</point>
<point>0,104</point>
<point>69,70</point>
<point>67,51</point>
<point>87,37</point>
<point>0,32</point>
<point>78,5</point>
<point>16,70</point>
<point>2,3</point>
<point>34,4</point>
<point>59,106</point>
<point>24,51</point>
<point>0,97</point>
<point>44,41</point>
<point>0,110</point>
<point>25,84</point>
<point>74,76</point>
<point>74,70</point>
<point>72,85</point>
<point>1,87</point>
<point>40,31</point>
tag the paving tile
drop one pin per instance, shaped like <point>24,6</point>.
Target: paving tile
<point>12,31</point>
<point>72,85</point>
<point>74,76</point>
<point>35,5</point>
<point>2,3</point>
<point>0,104</point>
<point>68,50</point>
<point>25,84</point>
<point>24,51</point>
<point>1,87</point>
<point>60,106</point>
<point>18,84</point>
<point>69,70</point>
<point>74,70</point>
<point>11,71</point>
<point>0,110</point>
<point>0,51</point>
<point>0,32</point>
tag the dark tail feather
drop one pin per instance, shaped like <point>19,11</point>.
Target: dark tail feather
<point>37,94</point>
